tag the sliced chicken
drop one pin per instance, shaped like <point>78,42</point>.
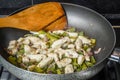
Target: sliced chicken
<point>40,44</point>
<point>33,39</point>
<point>71,53</point>
<point>60,52</point>
<point>69,68</point>
<point>14,51</point>
<point>84,40</point>
<point>54,56</point>
<point>25,59</point>
<point>63,62</point>
<point>87,57</point>
<point>45,62</point>
<point>20,39</point>
<point>26,41</point>
<point>58,32</point>
<point>41,51</point>
<point>80,59</point>
<point>78,44</point>
<point>72,34</point>
<point>60,42</point>
<point>71,46</point>
<point>12,44</point>
<point>36,57</point>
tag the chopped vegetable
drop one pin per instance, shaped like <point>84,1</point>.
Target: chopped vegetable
<point>84,66</point>
<point>71,29</point>
<point>59,71</point>
<point>92,59</point>
<point>93,41</point>
<point>19,59</point>
<point>51,69</point>
<point>81,33</point>
<point>12,59</point>
<point>38,69</point>
<point>42,32</point>
<point>89,64</point>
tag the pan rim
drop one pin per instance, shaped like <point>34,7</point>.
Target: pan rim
<point>114,42</point>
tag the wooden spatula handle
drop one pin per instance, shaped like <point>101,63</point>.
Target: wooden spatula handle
<point>10,22</point>
<point>5,22</point>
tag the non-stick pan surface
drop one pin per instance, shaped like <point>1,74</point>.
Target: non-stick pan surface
<point>84,19</point>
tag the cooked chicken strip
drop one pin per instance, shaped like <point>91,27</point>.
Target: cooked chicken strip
<point>80,59</point>
<point>63,62</point>
<point>60,42</point>
<point>54,56</point>
<point>84,40</point>
<point>25,59</point>
<point>71,53</point>
<point>72,34</point>
<point>45,62</point>
<point>78,44</point>
<point>69,68</point>
<point>36,57</point>
<point>12,44</point>
<point>59,31</point>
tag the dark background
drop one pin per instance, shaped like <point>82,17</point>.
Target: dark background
<point>101,6</point>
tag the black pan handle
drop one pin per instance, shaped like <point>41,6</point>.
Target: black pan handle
<point>115,55</point>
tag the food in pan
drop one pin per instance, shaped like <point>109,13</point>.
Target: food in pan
<point>53,52</point>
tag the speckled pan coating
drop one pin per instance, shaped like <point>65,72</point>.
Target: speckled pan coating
<point>27,75</point>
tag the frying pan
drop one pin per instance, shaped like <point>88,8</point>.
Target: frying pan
<point>83,19</point>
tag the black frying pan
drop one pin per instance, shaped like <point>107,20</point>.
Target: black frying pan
<point>84,19</point>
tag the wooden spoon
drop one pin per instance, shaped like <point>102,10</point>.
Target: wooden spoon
<point>36,17</point>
